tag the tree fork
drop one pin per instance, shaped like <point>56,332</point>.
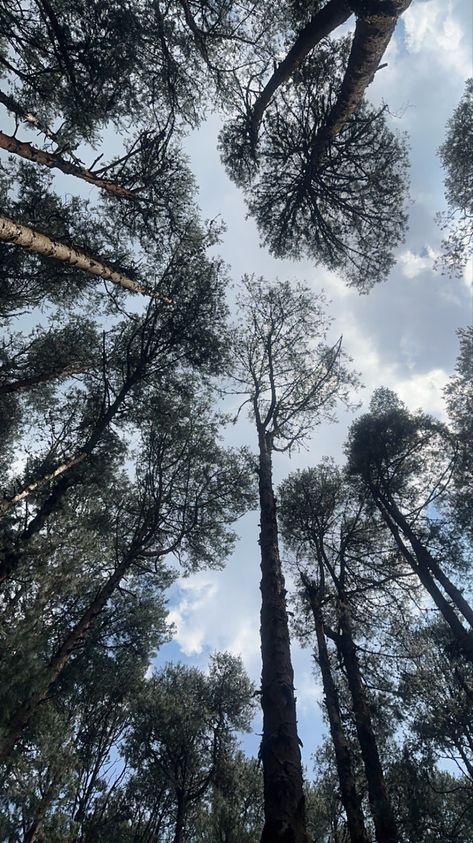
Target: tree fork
<point>331,16</point>
<point>374,29</point>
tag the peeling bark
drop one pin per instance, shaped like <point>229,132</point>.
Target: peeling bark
<point>280,751</point>
<point>351,800</point>
<point>54,161</point>
<point>34,241</point>
<point>381,809</point>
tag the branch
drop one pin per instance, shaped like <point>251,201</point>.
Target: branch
<point>40,244</point>
<point>320,25</point>
<point>53,160</point>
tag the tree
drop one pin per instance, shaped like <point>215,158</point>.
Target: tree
<point>406,462</point>
<point>328,172</point>
<point>291,380</point>
<point>456,159</point>
<point>182,730</point>
<point>328,530</point>
<point>187,491</point>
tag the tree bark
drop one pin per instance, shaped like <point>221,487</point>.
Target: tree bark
<point>426,560</point>
<point>43,377</point>
<point>59,660</point>
<point>332,15</point>
<point>463,638</point>
<point>55,161</point>
<point>351,801</point>
<point>381,809</point>
<point>374,28</point>
<point>280,752</point>
<point>34,241</point>
<point>40,482</point>
<point>180,819</point>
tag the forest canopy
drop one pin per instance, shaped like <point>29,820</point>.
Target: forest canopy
<point>151,400</point>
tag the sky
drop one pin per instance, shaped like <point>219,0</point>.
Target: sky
<point>401,335</point>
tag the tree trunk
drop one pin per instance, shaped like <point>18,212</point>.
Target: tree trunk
<point>34,241</point>
<point>373,32</point>
<point>426,560</point>
<point>419,566</point>
<point>381,809</point>
<point>351,801</point>
<point>180,819</point>
<point>32,833</point>
<point>54,161</point>
<point>280,752</point>
<point>10,502</point>
<point>43,377</point>
<point>59,660</point>
<point>332,15</point>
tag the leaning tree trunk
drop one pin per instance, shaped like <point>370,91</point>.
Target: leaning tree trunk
<point>25,712</point>
<point>39,243</point>
<point>374,29</point>
<point>381,809</point>
<point>463,637</point>
<point>54,161</point>
<point>351,800</point>
<point>32,834</point>
<point>280,752</point>
<point>426,561</point>
<point>42,377</point>
<point>321,24</point>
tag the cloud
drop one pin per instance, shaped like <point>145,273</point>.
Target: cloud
<point>412,264</point>
<point>433,30</point>
<point>196,594</point>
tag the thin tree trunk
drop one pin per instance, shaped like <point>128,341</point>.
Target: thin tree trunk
<point>55,161</point>
<point>426,560</point>
<point>383,816</point>
<point>280,751</point>
<point>351,801</point>
<point>32,833</point>
<point>59,660</point>
<point>34,241</point>
<point>82,453</point>
<point>36,485</point>
<point>43,377</point>
<point>332,15</point>
<point>373,32</point>
<point>463,638</point>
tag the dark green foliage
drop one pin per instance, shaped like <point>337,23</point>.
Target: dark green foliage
<point>455,154</point>
<point>342,202</point>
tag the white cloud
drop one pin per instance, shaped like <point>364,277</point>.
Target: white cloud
<point>197,593</point>
<point>433,31</point>
<point>412,264</point>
